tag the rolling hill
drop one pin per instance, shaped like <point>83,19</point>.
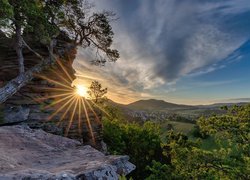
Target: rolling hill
<point>153,104</point>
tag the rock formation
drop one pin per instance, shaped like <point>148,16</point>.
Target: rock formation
<point>27,104</point>
<point>34,154</point>
<point>28,152</point>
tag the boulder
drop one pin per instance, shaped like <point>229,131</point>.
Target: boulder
<point>34,154</point>
<point>15,114</point>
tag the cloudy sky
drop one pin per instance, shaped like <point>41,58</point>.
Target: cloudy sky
<point>181,51</point>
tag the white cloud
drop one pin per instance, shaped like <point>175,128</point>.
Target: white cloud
<point>163,40</point>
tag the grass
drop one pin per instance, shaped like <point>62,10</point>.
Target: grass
<point>209,143</point>
<point>182,127</point>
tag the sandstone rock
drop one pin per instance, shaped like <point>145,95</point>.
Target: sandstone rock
<point>16,114</point>
<point>38,93</point>
<point>35,154</point>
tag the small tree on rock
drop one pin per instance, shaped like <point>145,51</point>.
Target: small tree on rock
<point>96,92</point>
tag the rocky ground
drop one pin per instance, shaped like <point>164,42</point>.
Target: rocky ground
<point>34,154</point>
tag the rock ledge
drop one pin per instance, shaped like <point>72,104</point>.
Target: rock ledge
<point>34,154</point>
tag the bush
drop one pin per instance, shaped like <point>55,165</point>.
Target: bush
<point>195,132</point>
<point>181,158</point>
<point>141,143</point>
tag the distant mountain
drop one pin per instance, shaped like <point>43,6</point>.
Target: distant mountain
<point>218,105</point>
<point>115,104</point>
<point>159,105</point>
<point>161,110</point>
<point>233,101</point>
<point>153,104</point>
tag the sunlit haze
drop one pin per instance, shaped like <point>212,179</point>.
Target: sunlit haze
<point>81,90</point>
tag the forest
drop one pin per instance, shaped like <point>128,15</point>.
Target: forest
<point>172,155</point>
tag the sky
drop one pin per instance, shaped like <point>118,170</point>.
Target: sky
<point>180,51</point>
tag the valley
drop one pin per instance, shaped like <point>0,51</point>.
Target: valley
<point>178,117</point>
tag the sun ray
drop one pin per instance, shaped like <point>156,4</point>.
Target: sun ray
<point>61,77</point>
<point>41,99</point>
<point>71,118</point>
<point>54,89</point>
<point>65,71</point>
<point>58,101</point>
<point>99,107</point>
<point>90,107</point>
<point>54,81</point>
<point>79,118</point>
<point>88,121</point>
<point>59,109</point>
<point>52,96</point>
<point>64,114</point>
<point>74,105</point>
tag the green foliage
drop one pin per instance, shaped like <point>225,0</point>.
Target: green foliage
<point>229,160</point>
<point>45,20</point>
<point>6,11</point>
<point>159,171</point>
<point>195,132</point>
<point>209,143</point>
<point>141,143</point>
<point>232,132</point>
<point>87,29</point>
<point>113,134</point>
<point>187,160</point>
<point>183,127</point>
<point>179,157</point>
<point>233,127</point>
<point>23,13</point>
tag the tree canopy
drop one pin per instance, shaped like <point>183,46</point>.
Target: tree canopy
<point>180,157</point>
<point>96,92</point>
<point>45,20</point>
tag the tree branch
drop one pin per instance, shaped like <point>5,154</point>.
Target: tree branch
<point>37,54</point>
<point>16,84</point>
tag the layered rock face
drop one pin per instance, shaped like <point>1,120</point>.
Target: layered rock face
<point>26,151</point>
<point>34,154</point>
<point>27,105</point>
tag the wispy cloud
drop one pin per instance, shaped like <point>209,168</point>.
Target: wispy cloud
<point>163,40</point>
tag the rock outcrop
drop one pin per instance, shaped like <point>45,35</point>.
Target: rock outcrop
<point>27,105</point>
<point>34,154</point>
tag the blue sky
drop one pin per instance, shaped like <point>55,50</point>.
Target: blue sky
<point>182,51</point>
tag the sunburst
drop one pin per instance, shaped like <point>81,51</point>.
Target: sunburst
<point>81,90</point>
<point>69,102</point>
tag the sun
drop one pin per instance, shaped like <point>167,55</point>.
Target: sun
<point>81,90</point>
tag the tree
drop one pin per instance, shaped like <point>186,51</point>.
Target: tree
<point>70,18</point>
<point>96,92</point>
<point>15,20</point>
<point>178,157</point>
<point>235,126</point>
<point>230,160</point>
<point>232,132</point>
<point>141,143</point>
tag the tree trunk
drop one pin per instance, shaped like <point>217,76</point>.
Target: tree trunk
<point>15,84</point>
<point>19,48</point>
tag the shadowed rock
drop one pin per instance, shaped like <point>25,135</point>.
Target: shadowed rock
<point>35,154</point>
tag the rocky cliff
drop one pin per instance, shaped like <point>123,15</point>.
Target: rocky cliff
<point>27,151</point>
<point>35,154</point>
<point>27,105</point>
